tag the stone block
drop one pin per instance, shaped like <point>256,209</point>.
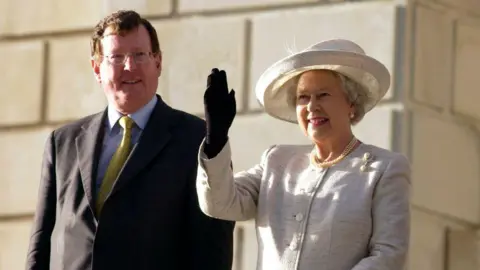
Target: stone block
<point>52,15</point>
<point>446,175</point>
<point>428,87</point>
<point>21,158</point>
<point>379,127</point>
<point>467,57</point>
<point>144,7</point>
<point>208,5</point>
<point>276,34</point>
<point>463,248</point>
<point>21,94</point>
<point>73,91</point>
<point>470,6</point>
<point>191,48</point>
<point>3,17</point>
<point>14,237</point>
<point>428,242</point>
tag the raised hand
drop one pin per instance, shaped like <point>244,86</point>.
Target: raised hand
<point>220,109</point>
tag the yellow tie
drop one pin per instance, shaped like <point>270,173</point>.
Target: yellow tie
<point>117,161</point>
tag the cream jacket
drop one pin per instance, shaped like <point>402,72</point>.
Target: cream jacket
<point>342,218</point>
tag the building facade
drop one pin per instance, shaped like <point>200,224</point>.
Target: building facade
<point>431,112</point>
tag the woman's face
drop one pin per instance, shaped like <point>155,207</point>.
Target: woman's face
<point>323,109</point>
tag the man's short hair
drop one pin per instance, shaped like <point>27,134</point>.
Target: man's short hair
<point>121,22</point>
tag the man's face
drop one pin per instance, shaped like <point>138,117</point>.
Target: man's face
<point>129,84</point>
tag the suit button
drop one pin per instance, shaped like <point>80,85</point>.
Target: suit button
<point>299,217</point>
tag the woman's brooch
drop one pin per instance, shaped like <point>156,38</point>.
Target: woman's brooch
<point>367,157</point>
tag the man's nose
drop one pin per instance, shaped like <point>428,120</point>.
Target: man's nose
<point>130,63</point>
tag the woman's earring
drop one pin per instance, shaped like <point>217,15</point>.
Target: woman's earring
<point>352,115</point>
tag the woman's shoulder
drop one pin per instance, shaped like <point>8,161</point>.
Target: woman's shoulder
<point>386,157</point>
<point>281,155</point>
<point>290,150</point>
<point>382,152</point>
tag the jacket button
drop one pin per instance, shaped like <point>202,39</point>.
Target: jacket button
<point>299,217</point>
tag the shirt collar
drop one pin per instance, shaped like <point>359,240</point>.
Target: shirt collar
<point>140,117</point>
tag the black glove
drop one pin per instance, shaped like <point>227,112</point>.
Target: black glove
<point>220,109</point>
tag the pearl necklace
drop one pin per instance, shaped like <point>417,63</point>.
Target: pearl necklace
<point>314,160</point>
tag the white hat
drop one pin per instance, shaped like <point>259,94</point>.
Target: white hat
<point>340,55</point>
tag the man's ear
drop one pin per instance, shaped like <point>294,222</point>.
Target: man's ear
<point>158,63</point>
<point>96,69</point>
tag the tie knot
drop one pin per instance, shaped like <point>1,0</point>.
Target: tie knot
<point>126,122</point>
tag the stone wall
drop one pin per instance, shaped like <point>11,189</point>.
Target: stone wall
<point>45,56</point>
<point>442,132</point>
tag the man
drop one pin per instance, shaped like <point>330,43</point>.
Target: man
<point>117,188</point>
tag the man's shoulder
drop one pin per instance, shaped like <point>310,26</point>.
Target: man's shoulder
<point>189,121</point>
<point>76,126</point>
<point>188,116</point>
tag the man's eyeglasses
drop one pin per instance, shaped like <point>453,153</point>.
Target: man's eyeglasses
<point>120,59</point>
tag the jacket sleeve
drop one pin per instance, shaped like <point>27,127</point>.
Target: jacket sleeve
<point>38,257</point>
<point>224,195</point>
<point>211,239</point>
<point>391,219</point>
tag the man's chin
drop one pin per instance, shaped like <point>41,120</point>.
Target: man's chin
<point>129,103</point>
<point>125,104</point>
<point>126,95</point>
<point>128,90</point>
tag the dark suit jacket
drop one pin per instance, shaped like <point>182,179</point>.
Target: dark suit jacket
<point>151,220</point>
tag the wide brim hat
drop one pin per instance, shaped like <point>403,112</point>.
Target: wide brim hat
<point>273,88</point>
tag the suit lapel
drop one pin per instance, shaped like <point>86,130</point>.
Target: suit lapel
<point>154,138</point>
<point>88,145</point>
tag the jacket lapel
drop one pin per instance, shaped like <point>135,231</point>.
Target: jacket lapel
<point>88,145</point>
<point>154,138</point>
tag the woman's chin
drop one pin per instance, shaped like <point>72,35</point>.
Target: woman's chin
<point>318,133</point>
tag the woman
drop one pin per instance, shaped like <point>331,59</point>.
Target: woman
<point>340,204</point>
